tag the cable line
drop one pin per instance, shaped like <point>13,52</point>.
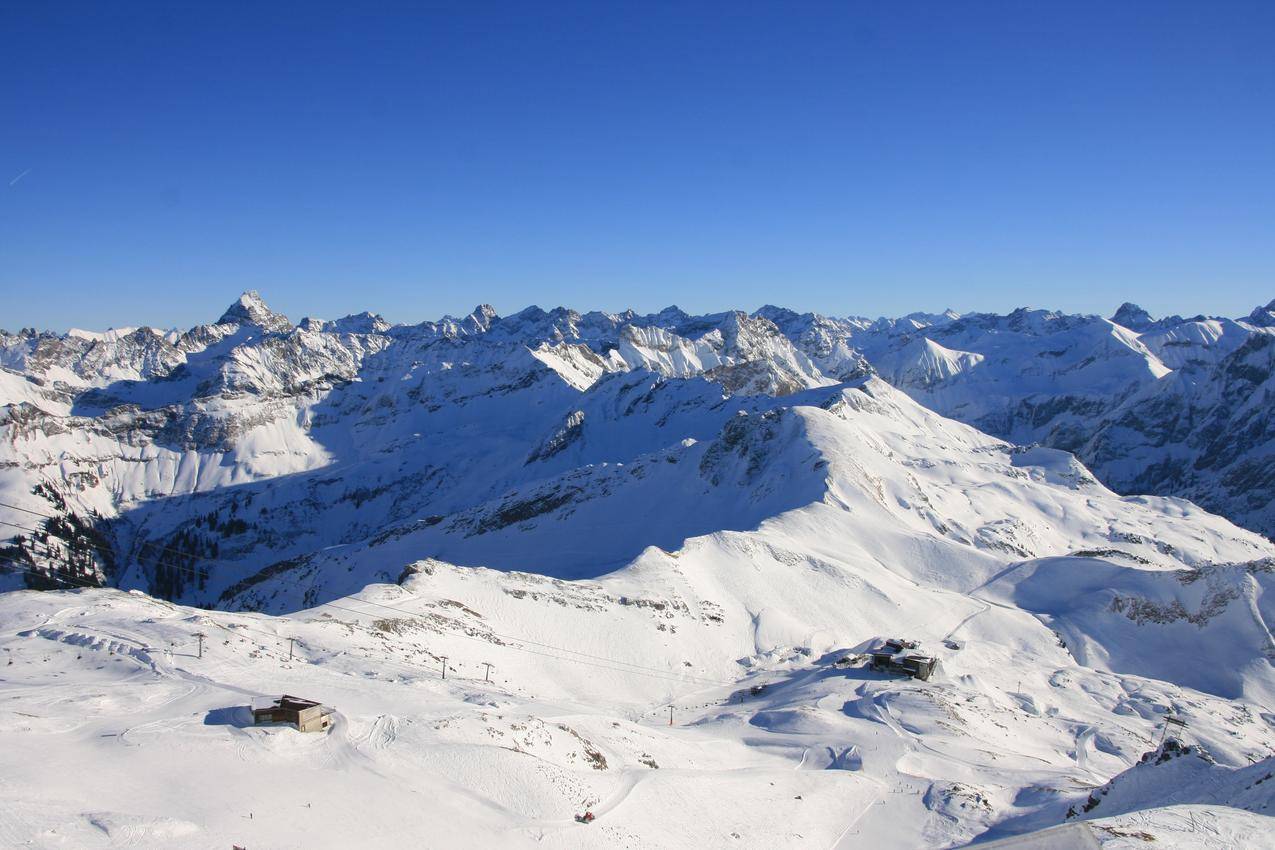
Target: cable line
<point>638,670</point>
<point>663,671</point>
<point>103,548</point>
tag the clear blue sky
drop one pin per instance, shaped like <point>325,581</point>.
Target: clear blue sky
<point>851,158</point>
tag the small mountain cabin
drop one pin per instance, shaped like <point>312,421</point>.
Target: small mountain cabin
<point>895,656</point>
<point>306,715</point>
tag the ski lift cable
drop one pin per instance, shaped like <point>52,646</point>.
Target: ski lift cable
<point>607,659</point>
<point>641,671</point>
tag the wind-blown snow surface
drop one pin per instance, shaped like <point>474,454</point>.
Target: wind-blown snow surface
<point>623,515</point>
<point>114,733</point>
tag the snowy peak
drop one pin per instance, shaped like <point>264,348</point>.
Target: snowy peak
<point>1195,344</point>
<point>925,363</point>
<point>482,316</point>
<point>1169,411</point>
<point>671,315</point>
<point>595,520</point>
<point>251,309</point>
<point>782,317</point>
<point>921,319</point>
<point>358,323</point>
<point>746,355</point>
<point>1215,410</point>
<point>361,323</point>
<point>110,335</point>
<point>758,359</point>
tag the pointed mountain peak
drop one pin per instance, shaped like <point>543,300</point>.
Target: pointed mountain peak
<point>251,309</point>
<point>671,314</point>
<point>248,303</point>
<point>533,313</point>
<point>1133,317</point>
<point>1263,316</point>
<point>776,314</point>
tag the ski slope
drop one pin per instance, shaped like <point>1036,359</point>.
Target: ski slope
<point>649,553</point>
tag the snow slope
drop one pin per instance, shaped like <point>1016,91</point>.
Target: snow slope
<point>1174,407</point>
<point>774,743</point>
<point>629,518</point>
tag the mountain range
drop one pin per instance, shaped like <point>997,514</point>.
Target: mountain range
<point>338,431</point>
<point>557,562</point>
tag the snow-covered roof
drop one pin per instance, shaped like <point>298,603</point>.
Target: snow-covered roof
<point>283,700</point>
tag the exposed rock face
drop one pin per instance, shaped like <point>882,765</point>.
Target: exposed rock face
<point>1133,317</point>
<point>1205,434</point>
<point>1263,317</point>
<point>250,309</point>
<point>160,428</point>
<point>1167,406</point>
<point>154,429</point>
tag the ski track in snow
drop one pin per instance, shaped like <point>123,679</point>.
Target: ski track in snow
<point>625,515</point>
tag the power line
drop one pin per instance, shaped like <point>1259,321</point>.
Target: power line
<point>636,669</point>
<point>236,628</point>
<point>29,511</point>
<point>101,547</point>
<point>50,553</point>
<point>25,568</point>
<point>662,671</point>
<point>407,664</point>
<point>640,670</point>
<point>21,567</point>
<point>82,585</point>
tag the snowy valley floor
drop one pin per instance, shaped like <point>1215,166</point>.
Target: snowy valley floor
<point>114,733</point>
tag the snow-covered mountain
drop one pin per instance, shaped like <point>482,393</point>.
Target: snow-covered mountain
<point>626,514</point>
<point>1174,407</point>
<point>111,421</point>
<point>163,437</point>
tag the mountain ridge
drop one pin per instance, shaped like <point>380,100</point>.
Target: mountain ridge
<point>595,521</point>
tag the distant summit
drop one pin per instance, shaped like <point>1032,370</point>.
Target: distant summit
<point>1263,317</point>
<point>1133,317</point>
<point>251,309</point>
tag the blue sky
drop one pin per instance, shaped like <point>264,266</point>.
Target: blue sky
<point>850,158</point>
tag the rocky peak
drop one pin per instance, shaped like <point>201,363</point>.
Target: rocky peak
<point>479,321</point>
<point>1133,317</point>
<point>948,315</point>
<point>361,323</point>
<point>484,315</point>
<point>781,316</point>
<point>533,324</point>
<point>1263,316</point>
<point>670,315</point>
<point>251,309</point>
